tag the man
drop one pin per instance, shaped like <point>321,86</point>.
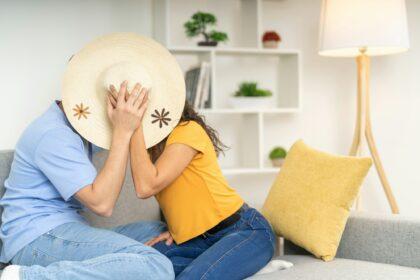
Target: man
<point>51,177</point>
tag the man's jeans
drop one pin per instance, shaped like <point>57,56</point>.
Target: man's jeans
<point>78,251</point>
<point>235,252</point>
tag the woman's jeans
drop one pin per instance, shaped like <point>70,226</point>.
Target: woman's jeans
<point>235,252</point>
<point>78,251</point>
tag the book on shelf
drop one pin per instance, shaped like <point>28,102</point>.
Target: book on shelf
<point>197,82</point>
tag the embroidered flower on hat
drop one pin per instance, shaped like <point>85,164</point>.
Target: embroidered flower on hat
<point>162,117</point>
<point>81,111</point>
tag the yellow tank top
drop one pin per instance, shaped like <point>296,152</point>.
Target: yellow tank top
<point>200,197</point>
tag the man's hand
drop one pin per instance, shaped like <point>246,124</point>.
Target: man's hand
<point>162,237</point>
<point>126,111</point>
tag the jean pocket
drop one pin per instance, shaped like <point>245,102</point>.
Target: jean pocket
<point>41,258</point>
<point>259,222</point>
<point>17,259</point>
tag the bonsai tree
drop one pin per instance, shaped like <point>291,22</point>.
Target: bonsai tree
<point>277,156</point>
<point>250,89</point>
<point>198,25</point>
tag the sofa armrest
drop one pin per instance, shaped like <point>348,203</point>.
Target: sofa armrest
<point>392,239</point>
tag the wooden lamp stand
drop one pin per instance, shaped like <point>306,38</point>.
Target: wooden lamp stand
<point>364,128</point>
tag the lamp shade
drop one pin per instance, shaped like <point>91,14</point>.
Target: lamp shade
<point>377,26</point>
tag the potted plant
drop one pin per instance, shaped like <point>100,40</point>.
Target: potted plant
<point>271,39</point>
<point>250,96</point>
<point>198,25</point>
<point>277,156</point>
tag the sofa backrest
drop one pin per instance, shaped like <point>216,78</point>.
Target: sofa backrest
<point>381,238</point>
<point>6,158</point>
<point>128,209</point>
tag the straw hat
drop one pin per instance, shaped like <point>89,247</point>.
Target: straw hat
<point>111,59</point>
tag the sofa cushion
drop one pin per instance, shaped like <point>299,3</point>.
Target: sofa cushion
<point>310,268</point>
<point>129,208</point>
<point>310,200</point>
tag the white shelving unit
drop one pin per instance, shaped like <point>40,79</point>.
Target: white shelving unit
<point>241,59</point>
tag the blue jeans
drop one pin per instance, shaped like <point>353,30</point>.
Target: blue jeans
<point>78,251</point>
<point>235,252</point>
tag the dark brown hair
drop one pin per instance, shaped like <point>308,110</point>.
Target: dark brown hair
<point>189,114</point>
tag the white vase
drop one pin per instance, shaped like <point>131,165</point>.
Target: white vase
<point>252,102</point>
<point>277,162</point>
<point>270,44</point>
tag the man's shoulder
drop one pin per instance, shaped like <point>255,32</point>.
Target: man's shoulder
<point>45,128</point>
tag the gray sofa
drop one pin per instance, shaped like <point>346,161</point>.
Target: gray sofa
<point>372,247</point>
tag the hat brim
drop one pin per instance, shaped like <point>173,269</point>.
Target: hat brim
<point>84,94</point>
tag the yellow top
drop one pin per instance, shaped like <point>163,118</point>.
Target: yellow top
<point>200,197</point>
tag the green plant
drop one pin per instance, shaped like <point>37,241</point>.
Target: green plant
<point>198,25</point>
<point>251,89</point>
<point>278,152</point>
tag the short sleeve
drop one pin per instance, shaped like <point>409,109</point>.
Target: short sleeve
<point>190,134</point>
<point>61,156</point>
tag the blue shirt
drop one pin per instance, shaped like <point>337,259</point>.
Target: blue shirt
<point>50,165</point>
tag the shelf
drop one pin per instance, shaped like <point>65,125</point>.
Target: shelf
<point>234,51</point>
<point>240,171</point>
<point>238,18</point>
<point>190,49</point>
<point>250,133</point>
<point>257,51</point>
<point>250,111</point>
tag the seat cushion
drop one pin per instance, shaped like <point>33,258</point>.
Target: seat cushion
<point>310,200</point>
<point>310,268</point>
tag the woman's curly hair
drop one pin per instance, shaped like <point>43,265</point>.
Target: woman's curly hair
<point>189,114</point>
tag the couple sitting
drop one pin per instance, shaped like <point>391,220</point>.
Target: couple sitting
<point>211,233</point>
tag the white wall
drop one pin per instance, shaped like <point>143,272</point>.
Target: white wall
<point>329,101</point>
<point>37,37</point>
<point>36,40</point>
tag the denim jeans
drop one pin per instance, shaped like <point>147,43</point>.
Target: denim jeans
<point>235,252</point>
<point>78,251</point>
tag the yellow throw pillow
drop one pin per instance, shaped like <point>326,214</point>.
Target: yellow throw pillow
<point>310,200</point>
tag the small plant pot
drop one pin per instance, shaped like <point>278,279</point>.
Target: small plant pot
<point>270,44</point>
<point>207,43</point>
<point>277,162</point>
<point>252,102</point>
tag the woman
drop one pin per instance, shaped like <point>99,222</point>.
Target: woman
<point>217,235</point>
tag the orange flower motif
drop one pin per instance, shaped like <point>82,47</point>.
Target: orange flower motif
<point>81,111</point>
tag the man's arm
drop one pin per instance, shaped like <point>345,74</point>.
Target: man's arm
<point>102,194</point>
<point>125,116</point>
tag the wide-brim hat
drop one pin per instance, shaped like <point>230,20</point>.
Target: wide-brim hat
<point>111,59</point>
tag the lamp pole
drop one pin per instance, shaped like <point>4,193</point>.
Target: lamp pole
<point>364,126</point>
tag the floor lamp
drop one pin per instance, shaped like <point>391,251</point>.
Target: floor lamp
<point>360,29</point>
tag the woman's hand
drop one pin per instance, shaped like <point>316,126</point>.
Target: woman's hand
<point>124,113</point>
<point>166,236</point>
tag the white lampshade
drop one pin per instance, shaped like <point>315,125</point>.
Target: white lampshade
<point>378,26</point>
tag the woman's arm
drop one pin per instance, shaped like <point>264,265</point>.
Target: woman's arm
<point>149,179</point>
